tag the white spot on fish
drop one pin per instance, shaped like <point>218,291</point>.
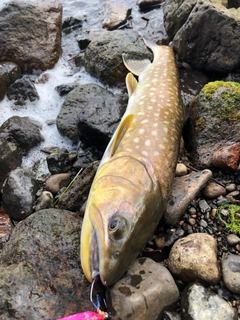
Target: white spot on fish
<point>141,113</point>
<point>147,143</point>
<point>153,89</point>
<point>155,124</point>
<point>154,133</point>
<point>141,131</point>
<point>144,121</point>
<point>156,153</point>
<point>153,100</point>
<point>136,140</point>
<point>145,153</point>
<point>165,129</point>
<point>161,146</point>
<point>150,107</point>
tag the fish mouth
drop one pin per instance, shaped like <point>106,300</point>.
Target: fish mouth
<point>94,259</point>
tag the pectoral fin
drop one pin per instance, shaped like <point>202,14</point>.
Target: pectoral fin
<point>124,125</point>
<point>135,66</point>
<point>131,83</point>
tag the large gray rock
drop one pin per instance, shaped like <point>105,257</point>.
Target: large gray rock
<point>200,303</point>
<point>98,121</point>
<point>21,131</point>
<point>231,272</point>
<point>144,293</point>
<point>214,121</point>
<point>67,119</point>
<point>205,33</point>
<point>103,56</point>
<point>10,158</point>
<point>30,33</point>
<point>18,193</point>
<point>9,72</point>
<point>40,270</point>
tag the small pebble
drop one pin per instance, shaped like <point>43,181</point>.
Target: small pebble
<point>203,223</point>
<point>225,212</point>
<point>233,239</point>
<point>231,187</point>
<point>221,201</point>
<point>203,205</point>
<point>233,194</point>
<point>213,213</point>
<point>214,190</point>
<point>191,221</point>
<point>192,210</point>
<point>181,170</point>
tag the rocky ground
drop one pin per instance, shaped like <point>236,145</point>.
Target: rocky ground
<point>191,267</point>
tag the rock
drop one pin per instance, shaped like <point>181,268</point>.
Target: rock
<point>66,88</point>
<point>22,90</point>
<point>231,187</point>
<point>227,157</point>
<point>98,121</point>
<point>115,14</point>
<point>185,262</point>
<point>41,263</point>
<point>18,193</point>
<point>167,239</point>
<point>189,22</point>
<point>70,24</point>
<point>21,131</point>
<point>45,201</point>
<point>57,181</point>
<point>6,228</point>
<point>197,303</point>
<point>77,194</point>
<point>231,272</point>
<point>31,34</point>
<point>10,158</point>
<point>9,72</point>
<point>183,191</point>
<point>58,161</point>
<point>147,4</point>
<point>103,56</point>
<point>213,122</point>
<point>169,315</point>
<point>147,289</point>
<point>181,170</point>
<point>67,119</point>
<point>86,157</point>
<point>204,206</point>
<point>233,239</point>
<point>213,190</point>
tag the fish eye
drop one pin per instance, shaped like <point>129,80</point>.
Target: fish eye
<point>118,227</point>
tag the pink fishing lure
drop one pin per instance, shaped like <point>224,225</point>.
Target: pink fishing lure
<point>88,315</point>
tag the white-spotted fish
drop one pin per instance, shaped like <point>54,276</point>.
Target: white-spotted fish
<point>129,192</point>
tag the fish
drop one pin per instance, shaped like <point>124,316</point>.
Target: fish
<point>128,195</point>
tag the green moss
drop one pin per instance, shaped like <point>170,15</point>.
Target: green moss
<point>232,221</point>
<point>227,102</point>
<point>200,124</point>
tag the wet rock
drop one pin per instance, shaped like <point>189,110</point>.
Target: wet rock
<point>147,289</point>
<point>189,22</point>
<point>98,121</point>
<point>67,119</point>
<point>10,158</point>
<point>214,190</point>
<point>183,191</point>
<point>66,88</point>
<point>227,157</point>
<point>6,228</point>
<point>115,14</point>
<point>231,187</point>
<point>166,239</point>
<point>184,261</point>
<point>45,201</point>
<point>57,181</point>
<point>18,193</point>
<point>170,315</point>
<point>9,72</point>
<point>22,90</point>
<point>41,263</point>
<point>21,131</point>
<point>103,56</point>
<point>31,34</point>
<point>86,157</point>
<point>147,4</point>
<point>58,161</point>
<point>233,239</point>
<point>213,122</point>
<point>231,272</point>
<point>70,24</point>
<point>197,302</point>
<point>77,194</point>
<point>181,170</point>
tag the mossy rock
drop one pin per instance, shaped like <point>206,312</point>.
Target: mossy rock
<point>214,121</point>
<point>232,221</point>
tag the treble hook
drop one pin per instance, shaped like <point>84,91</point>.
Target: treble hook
<point>100,301</point>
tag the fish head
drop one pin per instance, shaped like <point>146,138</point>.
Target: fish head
<point>120,217</point>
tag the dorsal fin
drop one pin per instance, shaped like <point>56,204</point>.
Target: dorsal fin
<point>135,66</point>
<point>117,137</point>
<point>131,83</point>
